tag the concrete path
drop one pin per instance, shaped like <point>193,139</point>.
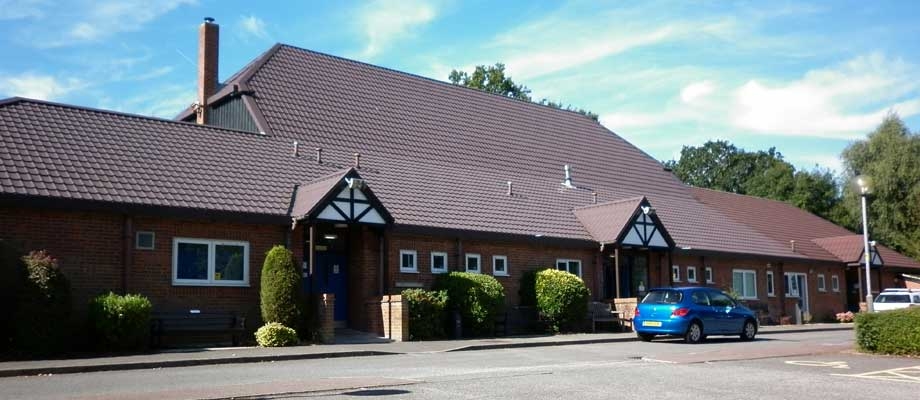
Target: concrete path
<point>351,348</point>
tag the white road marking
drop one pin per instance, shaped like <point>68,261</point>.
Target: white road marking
<point>906,374</point>
<point>825,364</point>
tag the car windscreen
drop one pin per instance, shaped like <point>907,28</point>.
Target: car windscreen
<point>893,298</point>
<point>662,297</point>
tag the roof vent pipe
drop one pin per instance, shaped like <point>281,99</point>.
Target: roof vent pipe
<point>296,149</point>
<point>792,244</point>
<point>357,160</point>
<point>510,189</point>
<point>594,197</point>
<point>568,177</point>
<point>319,155</point>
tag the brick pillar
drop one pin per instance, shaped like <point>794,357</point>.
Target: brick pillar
<point>326,332</point>
<point>627,308</point>
<point>395,313</point>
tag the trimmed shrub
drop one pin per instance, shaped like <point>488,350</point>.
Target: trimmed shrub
<point>12,281</point>
<point>427,314</point>
<point>894,332</point>
<point>43,315</point>
<point>280,294</point>
<point>479,298</point>
<point>527,292</point>
<point>120,322</point>
<point>274,334</point>
<point>562,298</point>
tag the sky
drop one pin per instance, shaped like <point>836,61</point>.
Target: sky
<point>805,78</point>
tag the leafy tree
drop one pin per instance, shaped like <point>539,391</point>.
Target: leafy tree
<point>492,79</point>
<point>890,156</point>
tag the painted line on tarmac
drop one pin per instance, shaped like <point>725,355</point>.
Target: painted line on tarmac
<point>906,374</point>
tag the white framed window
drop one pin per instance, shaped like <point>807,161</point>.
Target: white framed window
<point>408,261</point>
<point>438,262</point>
<point>744,282</point>
<point>822,285</point>
<point>500,265</point>
<point>675,273</point>
<point>835,283</point>
<point>571,266</point>
<point>691,274</point>
<point>473,263</point>
<point>709,275</point>
<point>144,240</point>
<point>770,290</point>
<point>208,262</point>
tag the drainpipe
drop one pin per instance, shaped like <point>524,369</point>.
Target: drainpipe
<point>616,265</point>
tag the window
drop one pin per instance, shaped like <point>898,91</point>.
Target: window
<point>744,282</point>
<point>699,297</point>
<point>720,300</point>
<point>709,275</point>
<point>204,262</point>
<point>691,274</point>
<point>821,284</point>
<point>571,266</point>
<point>770,290</point>
<point>675,273</point>
<point>438,262</point>
<point>835,283</point>
<point>408,261</point>
<point>472,263</point>
<point>144,240</point>
<point>500,265</point>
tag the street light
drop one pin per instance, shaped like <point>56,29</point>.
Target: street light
<point>863,183</point>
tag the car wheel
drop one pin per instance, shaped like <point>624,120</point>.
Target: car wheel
<point>645,337</point>
<point>694,333</point>
<point>749,331</point>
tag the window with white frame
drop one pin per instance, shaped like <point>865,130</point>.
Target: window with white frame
<point>438,262</point>
<point>207,262</point>
<point>822,285</point>
<point>835,283</point>
<point>675,273</point>
<point>144,240</point>
<point>691,274</point>
<point>709,275</point>
<point>744,282</point>
<point>770,290</point>
<point>473,263</point>
<point>500,265</point>
<point>408,261</point>
<point>571,266</point>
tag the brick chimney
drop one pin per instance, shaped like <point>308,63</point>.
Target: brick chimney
<point>208,40</point>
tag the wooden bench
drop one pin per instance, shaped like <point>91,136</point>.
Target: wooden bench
<point>164,324</point>
<point>602,312</point>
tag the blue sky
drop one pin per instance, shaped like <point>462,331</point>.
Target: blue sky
<point>806,78</point>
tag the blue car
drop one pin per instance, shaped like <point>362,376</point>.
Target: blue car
<point>692,313</point>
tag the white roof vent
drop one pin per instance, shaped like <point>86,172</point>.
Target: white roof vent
<point>568,178</point>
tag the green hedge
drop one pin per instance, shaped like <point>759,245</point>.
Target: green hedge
<point>43,325</point>
<point>562,298</point>
<point>274,334</point>
<point>479,298</point>
<point>427,313</point>
<point>889,332</point>
<point>280,294</point>
<point>120,322</point>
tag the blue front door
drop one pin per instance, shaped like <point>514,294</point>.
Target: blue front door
<point>332,277</point>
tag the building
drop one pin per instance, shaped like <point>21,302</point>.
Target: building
<point>378,181</point>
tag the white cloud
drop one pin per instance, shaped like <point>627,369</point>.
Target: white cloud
<point>21,9</point>
<point>164,101</point>
<point>35,86</point>
<point>696,91</point>
<point>253,26</point>
<point>385,21</point>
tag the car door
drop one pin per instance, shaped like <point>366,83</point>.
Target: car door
<point>722,306</point>
<point>704,310</point>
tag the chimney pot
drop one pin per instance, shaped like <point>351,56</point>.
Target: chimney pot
<point>357,160</point>
<point>296,148</point>
<point>568,177</point>
<point>319,155</point>
<point>594,197</point>
<point>208,44</point>
<point>208,20</point>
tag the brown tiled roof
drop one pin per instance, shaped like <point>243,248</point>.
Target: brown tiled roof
<point>308,197</point>
<point>815,237</point>
<point>606,221</point>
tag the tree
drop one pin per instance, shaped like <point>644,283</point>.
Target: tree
<point>890,156</point>
<point>280,291</point>
<point>492,79</point>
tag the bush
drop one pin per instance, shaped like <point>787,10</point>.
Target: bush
<point>43,314</point>
<point>120,322</point>
<point>527,292</point>
<point>427,315</point>
<point>274,334</point>
<point>845,316</point>
<point>280,294</point>
<point>562,298</point>
<point>478,298</point>
<point>890,332</point>
<point>12,281</point>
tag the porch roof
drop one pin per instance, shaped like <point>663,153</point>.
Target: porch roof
<point>629,221</point>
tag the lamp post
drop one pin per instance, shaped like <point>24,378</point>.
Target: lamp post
<point>862,182</point>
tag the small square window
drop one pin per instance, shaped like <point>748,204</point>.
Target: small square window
<point>691,274</point>
<point>770,290</point>
<point>144,240</point>
<point>500,265</point>
<point>438,262</point>
<point>675,273</point>
<point>835,283</point>
<point>472,263</point>
<point>571,266</point>
<point>822,285</point>
<point>709,275</point>
<point>408,261</point>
